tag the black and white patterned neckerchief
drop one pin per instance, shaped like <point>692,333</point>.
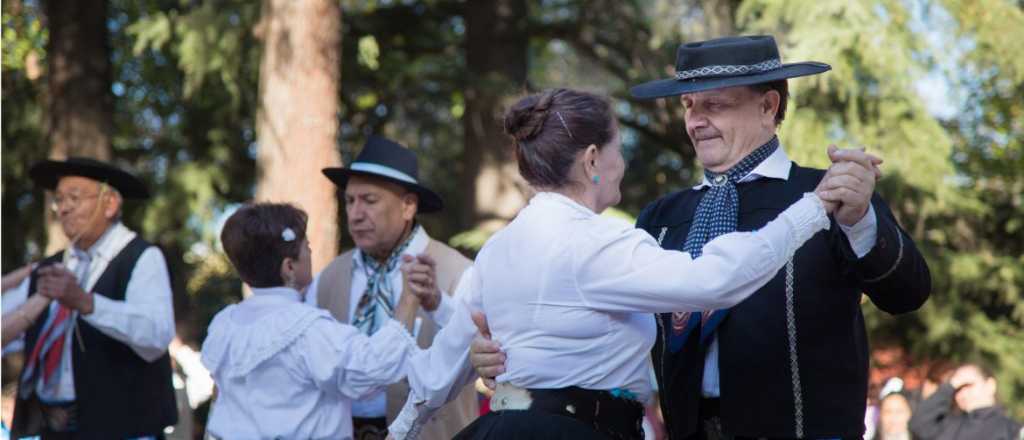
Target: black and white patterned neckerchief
<point>375,305</point>
<point>716,215</point>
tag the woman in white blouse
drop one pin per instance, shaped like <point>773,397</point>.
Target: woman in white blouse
<point>570,294</point>
<point>283,368</point>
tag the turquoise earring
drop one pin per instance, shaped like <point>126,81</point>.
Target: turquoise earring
<point>597,179</point>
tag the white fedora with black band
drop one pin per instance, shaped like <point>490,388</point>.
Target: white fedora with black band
<point>726,62</point>
<point>385,159</point>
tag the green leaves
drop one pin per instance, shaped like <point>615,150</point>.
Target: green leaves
<point>24,41</point>
<point>208,40</point>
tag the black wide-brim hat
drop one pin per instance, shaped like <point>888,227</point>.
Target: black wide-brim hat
<point>48,173</point>
<point>387,160</point>
<point>726,62</point>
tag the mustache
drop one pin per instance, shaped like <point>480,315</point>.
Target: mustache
<point>703,134</point>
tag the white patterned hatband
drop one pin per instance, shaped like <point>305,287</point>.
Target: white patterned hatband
<point>737,69</point>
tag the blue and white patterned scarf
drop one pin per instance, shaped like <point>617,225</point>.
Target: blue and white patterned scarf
<point>716,215</point>
<point>375,306</point>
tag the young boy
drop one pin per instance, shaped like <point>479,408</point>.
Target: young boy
<point>285,369</point>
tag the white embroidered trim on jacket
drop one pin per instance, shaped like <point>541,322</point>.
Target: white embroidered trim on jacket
<point>794,364</point>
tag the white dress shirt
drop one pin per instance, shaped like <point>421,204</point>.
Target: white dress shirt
<point>861,236</point>
<point>285,369</point>
<point>569,295</point>
<point>144,321</point>
<point>375,405</point>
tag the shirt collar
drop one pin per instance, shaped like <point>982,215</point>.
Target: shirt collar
<point>776,166</point>
<point>280,292</point>
<point>556,199</point>
<point>107,244</point>
<point>417,245</point>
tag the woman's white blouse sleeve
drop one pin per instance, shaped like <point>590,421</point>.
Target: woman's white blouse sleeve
<point>338,357</point>
<point>438,374</point>
<point>621,269</point>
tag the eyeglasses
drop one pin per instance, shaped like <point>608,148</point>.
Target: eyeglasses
<point>71,201</point>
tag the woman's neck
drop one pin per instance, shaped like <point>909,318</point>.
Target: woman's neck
<point>585,198</point>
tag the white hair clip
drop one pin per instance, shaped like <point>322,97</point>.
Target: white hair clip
<point>288,235</point>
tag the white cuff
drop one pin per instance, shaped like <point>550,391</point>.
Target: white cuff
<point>807,216</point>
<point>862,235</point>
<point>408,422</point>
<point>443,313</point>
<point>396,327</point>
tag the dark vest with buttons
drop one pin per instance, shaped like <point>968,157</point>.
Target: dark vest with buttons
<point>795,368</point>
<point>118,394</point>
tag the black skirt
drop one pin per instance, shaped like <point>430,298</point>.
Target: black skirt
<point>528,424</point>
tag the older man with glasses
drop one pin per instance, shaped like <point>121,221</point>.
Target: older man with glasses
<point>96,362</point>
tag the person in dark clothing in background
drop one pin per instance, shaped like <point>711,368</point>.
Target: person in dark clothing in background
<point>976,416</point>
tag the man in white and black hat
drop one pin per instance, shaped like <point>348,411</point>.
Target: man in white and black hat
<point>791,361</point>
<point>96,362</point>
<point>383,196</point>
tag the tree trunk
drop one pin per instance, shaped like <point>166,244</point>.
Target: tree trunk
<point>80,105</point>
<point>297,122</point>
<point>496,57</point>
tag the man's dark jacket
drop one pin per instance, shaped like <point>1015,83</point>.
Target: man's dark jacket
<point>793,362</point>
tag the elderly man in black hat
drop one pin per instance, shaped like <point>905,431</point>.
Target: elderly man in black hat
<point>360,287</point>
<point>96,361</point>
<point>792,360</point>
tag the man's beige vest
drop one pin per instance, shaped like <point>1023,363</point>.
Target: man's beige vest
<point>333,294</point>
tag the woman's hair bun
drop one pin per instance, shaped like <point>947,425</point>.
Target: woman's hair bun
<point>525,120</point>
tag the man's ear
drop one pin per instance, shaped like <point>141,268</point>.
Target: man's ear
<point>410,204</point>
<point>111,203</point>
<point>770,105</point>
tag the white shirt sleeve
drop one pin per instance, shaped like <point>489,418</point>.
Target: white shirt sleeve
<point>445,309</point>
<point>862,235</point>
<point>145,319</point>
<point>340,358</point>
<point>12,299</point>
<point>629,272</point>
<point>438,374</point>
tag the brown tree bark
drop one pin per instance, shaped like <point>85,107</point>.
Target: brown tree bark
<point>80,105</point>
<point>496,57</point>
<point>297,124</point>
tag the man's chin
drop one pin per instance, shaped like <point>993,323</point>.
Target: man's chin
<point>69,232</point>
<point>709,157</point>
<point>362,243</point>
